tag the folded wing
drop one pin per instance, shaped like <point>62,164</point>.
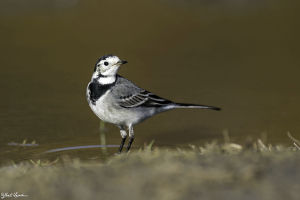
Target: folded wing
<point>143,99</point>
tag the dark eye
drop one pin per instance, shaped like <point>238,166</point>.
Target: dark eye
<point>105,63</point>
<point>98,64</point>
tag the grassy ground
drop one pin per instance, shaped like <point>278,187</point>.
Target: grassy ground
<point>214,171</point>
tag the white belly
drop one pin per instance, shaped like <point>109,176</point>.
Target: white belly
<point>108,112</point>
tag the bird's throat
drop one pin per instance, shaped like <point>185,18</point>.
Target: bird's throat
<point>105,80</point>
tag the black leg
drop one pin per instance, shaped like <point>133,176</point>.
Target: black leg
<point>129,143</point>
<point>122,144</point>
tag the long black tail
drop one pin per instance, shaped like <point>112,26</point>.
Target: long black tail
<point>187,105</point>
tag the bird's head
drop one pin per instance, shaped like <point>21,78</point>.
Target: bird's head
<point>108,65</point>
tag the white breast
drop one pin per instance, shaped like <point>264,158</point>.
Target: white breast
<point>102,109</point>
<point>107,110</point>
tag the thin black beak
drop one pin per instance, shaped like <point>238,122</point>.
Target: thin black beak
<point>123,62</point>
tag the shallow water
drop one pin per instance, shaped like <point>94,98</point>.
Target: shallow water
<point>239,55</point>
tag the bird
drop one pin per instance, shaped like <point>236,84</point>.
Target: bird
<point>116,100</point>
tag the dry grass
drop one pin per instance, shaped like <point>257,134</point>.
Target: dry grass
<point>214,171</point>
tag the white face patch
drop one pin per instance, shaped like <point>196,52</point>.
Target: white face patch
<point>107,69</point>
<point>103,80</point>
<point>109,66</point>
<point>111,71</point>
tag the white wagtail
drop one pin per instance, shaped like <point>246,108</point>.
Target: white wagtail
<point>116,100</point>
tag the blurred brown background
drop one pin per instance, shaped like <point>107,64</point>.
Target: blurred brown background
<point>242,56</point>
